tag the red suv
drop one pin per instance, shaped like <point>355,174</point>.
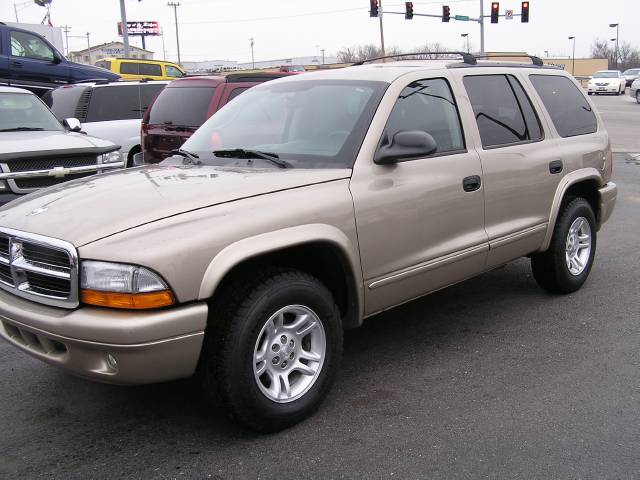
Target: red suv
<point>186,104</point>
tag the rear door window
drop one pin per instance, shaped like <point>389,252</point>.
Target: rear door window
<point>130,68</point>
<point>114,103</point>
<point>150,69</point>
<point>503,111</point>
<point>186,106</point>
<point>569,109</point>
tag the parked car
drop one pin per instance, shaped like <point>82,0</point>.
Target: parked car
<point>607,81</point>
<point>631,75</point>
<point>109,110</point>
<point>185,105</point>
<point>292,68</point>
<point>138,69</point>
<point>298,210</point>
<point>36,151</point>
<point>634,90</point>
<point>28,60</point>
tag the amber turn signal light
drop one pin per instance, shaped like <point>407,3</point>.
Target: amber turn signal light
<point>132,301</point>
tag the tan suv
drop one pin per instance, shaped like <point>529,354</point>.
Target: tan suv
<point>299,209</point>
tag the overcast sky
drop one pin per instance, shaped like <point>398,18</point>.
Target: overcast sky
<point>220,29</point>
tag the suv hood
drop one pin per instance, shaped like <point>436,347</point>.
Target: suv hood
<point>93,72</point>
<point>85,210</point>
<point>17,143</point>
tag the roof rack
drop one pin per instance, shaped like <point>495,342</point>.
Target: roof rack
<point>537,61</point>
<point>467,58</point>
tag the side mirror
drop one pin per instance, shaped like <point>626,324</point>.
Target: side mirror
<point>406,145</point>
<point>72,124</point>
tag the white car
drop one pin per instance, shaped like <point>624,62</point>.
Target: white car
<point>634,90</point>
<point>109,110</point>
<point>607,81</point>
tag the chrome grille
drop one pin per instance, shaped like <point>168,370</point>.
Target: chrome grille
<point>39,268</point>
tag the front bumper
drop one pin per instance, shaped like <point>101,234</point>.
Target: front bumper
<point>110,346</point>
<point>608,195</point>
<point>607,89</point>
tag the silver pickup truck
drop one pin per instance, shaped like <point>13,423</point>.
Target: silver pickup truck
<point>299,209</point>
<point>37,151</point>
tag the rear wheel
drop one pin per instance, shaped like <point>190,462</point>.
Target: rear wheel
<point>565,266</point>
<point>274,350</point>
<point>638,96</point>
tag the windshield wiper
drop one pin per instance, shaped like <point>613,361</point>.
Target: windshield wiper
<point>194,158</point>
<point>245,153</point>
<point>22,129</point>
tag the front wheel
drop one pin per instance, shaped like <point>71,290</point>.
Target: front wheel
<point>276,350</point>
<point>565,266</point>
<point>638,96</point>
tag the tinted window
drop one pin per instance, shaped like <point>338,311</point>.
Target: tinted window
<point>150,69</point>
<point>130,68</point>
<point>64,101</point>
<point>148,93</point>
<point>236,91</point>
<point>569,110</point>
<point>173,71</point>
<point>502,109</point>
<point>114,103</point>
<point>30,46</point>
<point>104,64</point>
<point>182,106</point>
<point>427,105</point>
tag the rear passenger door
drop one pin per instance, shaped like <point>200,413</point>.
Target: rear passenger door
<point>520,164</point>
<point>420,227</point>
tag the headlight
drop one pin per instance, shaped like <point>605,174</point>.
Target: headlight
<point>118,285</point>
<point>111,157</point>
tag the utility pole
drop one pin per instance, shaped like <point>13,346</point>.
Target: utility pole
<point>253,62</point>
<point>381,30</point>
<point>617,27</point>
<point>125,30</point>
<point>466,35</point>
<point>88,42</point>
<point>322,50</point>
<point>481,20</point>
<point>66,29</point>
<point>573,63</point>
<point>175,6</point>
<point>164,51</point>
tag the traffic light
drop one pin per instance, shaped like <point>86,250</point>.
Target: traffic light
<point>373,11</point>
<point>408,12</point>
<point>524,14</point>
<point>495,12</point>
<point>446,13</point>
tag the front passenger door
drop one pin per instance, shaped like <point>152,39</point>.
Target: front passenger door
<point>420,227</point>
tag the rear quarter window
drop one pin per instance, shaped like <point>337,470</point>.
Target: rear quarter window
<point>63,102</point>
<point>567,106</point>
<point>104,64</point>
<point>185,106</point>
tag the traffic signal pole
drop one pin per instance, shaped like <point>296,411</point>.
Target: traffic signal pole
<point>481,22</point>
<point>381,30</point>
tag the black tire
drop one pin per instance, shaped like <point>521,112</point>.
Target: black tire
<point>638,96</point>
<point>550,267</point>
<point>226,369</point>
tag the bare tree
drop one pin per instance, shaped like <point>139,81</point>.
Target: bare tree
<point>628,55</point>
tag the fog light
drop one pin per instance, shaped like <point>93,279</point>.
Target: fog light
<point>111,361</point>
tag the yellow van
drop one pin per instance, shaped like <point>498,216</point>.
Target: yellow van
<point>137,69</point>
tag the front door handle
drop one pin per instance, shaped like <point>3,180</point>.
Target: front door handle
<point>14,63</point>
<point>555,167</point>
<point>472,183</point>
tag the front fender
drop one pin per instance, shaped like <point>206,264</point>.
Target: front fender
<point>572,178</point>
<point>255,246</point>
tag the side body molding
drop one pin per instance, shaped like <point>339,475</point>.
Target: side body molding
<point>569,179</point>
<point>255,246</point>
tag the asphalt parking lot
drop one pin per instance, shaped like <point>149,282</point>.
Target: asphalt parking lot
<point>492,378</point>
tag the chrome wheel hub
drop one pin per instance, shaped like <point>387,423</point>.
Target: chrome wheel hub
<point>578,246</point>
<point>289,353</point>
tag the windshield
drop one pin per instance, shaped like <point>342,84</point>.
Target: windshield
<point>308,124</point>
<point>633,71</point>
<point>605,75</point>
<point>21,111</point>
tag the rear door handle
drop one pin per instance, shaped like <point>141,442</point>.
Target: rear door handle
<point>555,167</point>
<point>472,183</point>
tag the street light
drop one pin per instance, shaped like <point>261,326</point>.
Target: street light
<point>617,27</point>
<point>253,63</point>
<point>466,35</point>
<point>573,65</point>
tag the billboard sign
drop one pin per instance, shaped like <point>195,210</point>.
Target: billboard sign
<point>141,28</point>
